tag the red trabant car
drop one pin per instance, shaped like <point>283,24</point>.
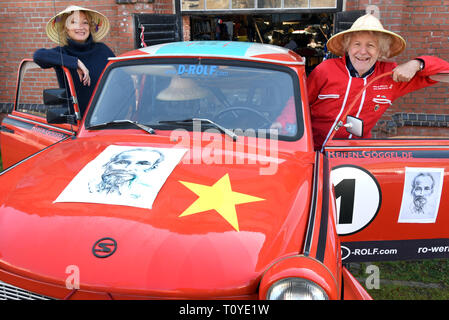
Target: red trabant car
<point>176,184</point>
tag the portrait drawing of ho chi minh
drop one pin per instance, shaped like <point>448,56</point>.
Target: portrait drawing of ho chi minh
<point>422,188</point>
<point>123,175</point>
<point>421,196</point>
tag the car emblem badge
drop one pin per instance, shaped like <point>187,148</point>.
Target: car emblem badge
<point>377,107</point>
<point>104,247</point>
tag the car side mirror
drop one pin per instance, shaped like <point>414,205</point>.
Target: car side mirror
<point>60,114</point>
<point>354,126</point>
<point>55,96</point>
<point>58,110</point>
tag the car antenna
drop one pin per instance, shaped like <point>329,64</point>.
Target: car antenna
<point>62,66</point>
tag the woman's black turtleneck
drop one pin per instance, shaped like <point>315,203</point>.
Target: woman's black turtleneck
<point>94,55</point>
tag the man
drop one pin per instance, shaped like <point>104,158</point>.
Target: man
<point>365,50</point>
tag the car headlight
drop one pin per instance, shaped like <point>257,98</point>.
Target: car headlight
<point>296,289</point>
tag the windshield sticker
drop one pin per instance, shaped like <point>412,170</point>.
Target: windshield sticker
<point>187,70</point>
<point>421,195</point>
<point>123,175</point>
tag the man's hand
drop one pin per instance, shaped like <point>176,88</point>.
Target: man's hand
<point>406,71</point>
<point>83,73</point>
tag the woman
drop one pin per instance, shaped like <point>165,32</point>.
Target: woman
<point>363,50</point>
<point>78,31</point>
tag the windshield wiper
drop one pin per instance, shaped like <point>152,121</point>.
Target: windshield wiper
<point>193,120</point>
<point>115,122</point>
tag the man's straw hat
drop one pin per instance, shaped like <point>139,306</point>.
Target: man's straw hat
<point>100,22</point>
<point>368,22</point>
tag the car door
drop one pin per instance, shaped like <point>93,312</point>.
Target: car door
<point>391,195</point>
<point>25,130</point>
<point>392,198</point>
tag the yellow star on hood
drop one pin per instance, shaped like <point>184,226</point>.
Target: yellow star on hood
<point>219,197</point>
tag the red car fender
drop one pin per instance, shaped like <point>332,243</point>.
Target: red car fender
<point>353,290</point>
<point>321,258</point>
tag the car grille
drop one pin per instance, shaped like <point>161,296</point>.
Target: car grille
<point>10,292</point>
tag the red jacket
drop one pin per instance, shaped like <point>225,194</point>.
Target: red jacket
<point>331,90</point>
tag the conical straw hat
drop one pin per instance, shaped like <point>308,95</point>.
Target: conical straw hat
<point>181,89</point>
<point>100,22</point>
<point>368,22</point>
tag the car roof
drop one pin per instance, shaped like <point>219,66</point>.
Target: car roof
<point>222,49</point>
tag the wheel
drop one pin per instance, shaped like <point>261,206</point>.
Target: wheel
<point>238,117</point>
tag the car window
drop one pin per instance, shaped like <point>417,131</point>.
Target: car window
<point>234,96</point>
<point>33,81</point>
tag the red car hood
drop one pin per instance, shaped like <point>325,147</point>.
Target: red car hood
<point>213,229</point>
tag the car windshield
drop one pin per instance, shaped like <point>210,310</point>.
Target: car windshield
<point>164,96</point>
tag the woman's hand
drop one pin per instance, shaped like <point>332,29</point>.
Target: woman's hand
<point>406,71</point>
<point>83,73</point>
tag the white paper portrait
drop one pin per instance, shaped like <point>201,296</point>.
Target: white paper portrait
<point>421,195</point>
<point>123,175</point>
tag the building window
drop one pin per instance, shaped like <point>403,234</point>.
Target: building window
<point>269,4</point>
<point>203,5</point>
<point>296,3</point>
<point>243,4</point>
<point>214,4</point>
<point>192,5</point>
<point>323,3</point>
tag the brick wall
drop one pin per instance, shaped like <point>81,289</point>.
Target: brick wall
<point>424,24</point>
<point>22,30</point>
